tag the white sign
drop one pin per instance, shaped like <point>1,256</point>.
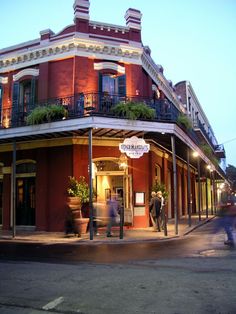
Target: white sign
<point>134,147</point>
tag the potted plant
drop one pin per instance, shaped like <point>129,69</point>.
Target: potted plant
<point>78,194</point>
<point>133,110</point>
<point>44,114</point>
<point>185,121</point>
<point>160,187</point>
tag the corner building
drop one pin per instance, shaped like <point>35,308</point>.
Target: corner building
<point>88,68</point>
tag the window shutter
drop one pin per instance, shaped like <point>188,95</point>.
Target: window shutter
<point>32,93</point>
<point>100,96</point>
<point>122,85</point>
<point>15,101</point>
<point>100,83</point>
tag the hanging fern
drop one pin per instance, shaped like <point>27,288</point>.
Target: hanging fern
<point>133,110</point>
<point>44,114</point>
<point>185,121</point>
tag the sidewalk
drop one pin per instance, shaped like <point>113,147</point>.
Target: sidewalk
<point>130,234</point>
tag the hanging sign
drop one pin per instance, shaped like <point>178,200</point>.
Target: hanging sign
<point>134,147</point>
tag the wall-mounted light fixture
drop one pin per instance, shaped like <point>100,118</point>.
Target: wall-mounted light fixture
<point>123,162</point>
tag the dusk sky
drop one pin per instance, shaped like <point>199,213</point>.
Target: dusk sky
<point>192,40</point>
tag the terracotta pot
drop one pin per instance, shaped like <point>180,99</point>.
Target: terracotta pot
<point>74,202</point>
<point>81,225</point>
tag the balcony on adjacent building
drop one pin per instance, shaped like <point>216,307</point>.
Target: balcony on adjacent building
<point>220,151</point>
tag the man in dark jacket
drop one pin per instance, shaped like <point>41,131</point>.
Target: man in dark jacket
<point>155,209</point>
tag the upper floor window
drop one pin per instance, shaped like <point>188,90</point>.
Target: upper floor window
<point>113,84</point>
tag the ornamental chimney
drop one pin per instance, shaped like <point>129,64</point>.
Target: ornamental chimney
<point>81,15</point>
<point>133,22</point>
<point>133,18</point>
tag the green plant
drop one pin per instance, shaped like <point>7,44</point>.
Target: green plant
<point>44,114</point>
<point>209,153</point>
<point>184,120</point>
<point>78,188</point>
<point>157,186</point>
<point>133,110</point>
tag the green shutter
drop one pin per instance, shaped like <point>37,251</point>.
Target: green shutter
<point>15,100</point>
<point>32,93</point>
<point>122,85</point>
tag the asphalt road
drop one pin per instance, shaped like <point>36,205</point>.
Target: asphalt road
<point>196,274</point>
<point>201,241</point>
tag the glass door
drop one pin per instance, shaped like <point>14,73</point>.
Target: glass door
<point>128,199</point>
<point>25,201</point>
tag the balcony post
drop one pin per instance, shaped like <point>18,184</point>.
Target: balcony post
<point>90,185</point>
<point>206,197</point>
<point>189,190</point>
<point>175,183</point>
<point>13,193</point>
<point>199,188</point>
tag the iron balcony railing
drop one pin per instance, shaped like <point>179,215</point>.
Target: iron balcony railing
<point>80,105</point>
<point>99,104</point>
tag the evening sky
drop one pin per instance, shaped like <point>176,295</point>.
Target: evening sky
<point>192,40</point>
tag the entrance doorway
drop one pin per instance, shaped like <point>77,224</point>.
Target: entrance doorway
<point>110,179</point>
<point>25,201</point>
<point>25,193</point>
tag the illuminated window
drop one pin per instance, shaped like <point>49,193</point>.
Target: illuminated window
<point>157,173</point>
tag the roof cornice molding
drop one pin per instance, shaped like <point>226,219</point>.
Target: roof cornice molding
<point>66,48</point>
<point>152,69</point>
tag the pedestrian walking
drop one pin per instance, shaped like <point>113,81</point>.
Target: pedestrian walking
<point>227,219</point>
<point>155,210</point>
<point>113,213</point>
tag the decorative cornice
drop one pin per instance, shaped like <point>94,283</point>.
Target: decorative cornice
<point>31,72</point>
<point>3,80</point>
<point>66,48</point>
<point>109,65</point>
<point>152,69</point>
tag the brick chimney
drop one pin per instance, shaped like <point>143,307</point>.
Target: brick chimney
<point>133,21</point>
<point>81,15</point>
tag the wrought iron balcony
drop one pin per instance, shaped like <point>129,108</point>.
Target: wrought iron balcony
<point>220,151</point>
<point>81,105</point>
<point>204,136</point>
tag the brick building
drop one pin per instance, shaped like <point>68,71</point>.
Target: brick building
<point>88,68</point>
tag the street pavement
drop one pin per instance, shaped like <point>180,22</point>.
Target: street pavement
<point>130,234</point>
<point>149,274</point>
